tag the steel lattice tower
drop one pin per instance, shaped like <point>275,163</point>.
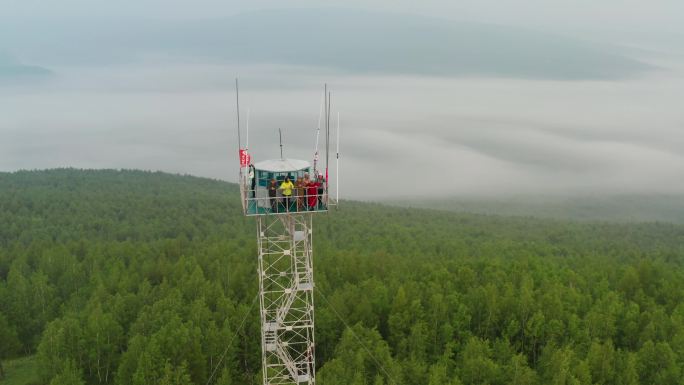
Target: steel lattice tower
<point>284,214</point>
<point>286,298</point>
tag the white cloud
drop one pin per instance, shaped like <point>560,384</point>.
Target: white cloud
<point>402,136</point>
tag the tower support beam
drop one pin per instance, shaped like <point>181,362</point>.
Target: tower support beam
<point>286,298</point>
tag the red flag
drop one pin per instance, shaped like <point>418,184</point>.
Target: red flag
<point>245,158</point>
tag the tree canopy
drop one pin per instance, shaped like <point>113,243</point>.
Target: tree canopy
<point>132,277</point>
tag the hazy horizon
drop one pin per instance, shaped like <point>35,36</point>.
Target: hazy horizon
<point>429,106</point>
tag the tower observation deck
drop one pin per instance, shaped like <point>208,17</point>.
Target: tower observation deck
<point>282,195</point>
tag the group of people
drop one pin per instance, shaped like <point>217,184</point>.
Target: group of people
<point>306,192</point>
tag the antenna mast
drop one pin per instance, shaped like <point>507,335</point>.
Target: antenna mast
<point>318,133</point>
<point>237,101</point>
<point>337,167</point>
<point>327,140</point>
<point>327,121</point>
<point>280,132</point>
<point>247,139</point>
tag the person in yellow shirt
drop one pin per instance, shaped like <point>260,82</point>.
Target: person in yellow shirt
<point>287,186</point>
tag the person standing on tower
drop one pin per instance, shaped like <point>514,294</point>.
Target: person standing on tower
<point>321,189</point>
<point>286,188</point>
<point>272,192</point>
<point>252,180</point>
<point>299,193</point>
<point>312,194</point>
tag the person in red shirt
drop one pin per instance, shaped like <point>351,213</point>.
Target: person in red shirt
<point>312,194</point>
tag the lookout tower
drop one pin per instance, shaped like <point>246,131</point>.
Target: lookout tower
<point>283,214</point>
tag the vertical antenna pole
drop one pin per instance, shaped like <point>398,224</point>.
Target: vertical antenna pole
<point>242,178</point>
<point>280,132</point>
<point>337,167</point>
<point>327,143</point>
<point>247,139</point>
<point>327,121</point>
<point>318,133</point>
<point>237,100</point>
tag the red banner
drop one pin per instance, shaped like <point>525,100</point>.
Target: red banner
<point>245,158</point>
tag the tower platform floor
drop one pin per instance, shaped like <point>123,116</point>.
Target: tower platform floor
<point>257,209</point>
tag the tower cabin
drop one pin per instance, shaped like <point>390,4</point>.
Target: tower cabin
<point>265,189</point>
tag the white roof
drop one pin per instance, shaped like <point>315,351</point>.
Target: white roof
<point>281,165</point>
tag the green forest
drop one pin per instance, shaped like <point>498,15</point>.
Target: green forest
<point>132,277</point>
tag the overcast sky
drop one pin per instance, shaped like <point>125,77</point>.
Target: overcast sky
<point>664,15</point>
<point>582,96</point>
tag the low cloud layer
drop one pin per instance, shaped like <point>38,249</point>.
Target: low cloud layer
<point>401,136</point>
<point>405,133</point>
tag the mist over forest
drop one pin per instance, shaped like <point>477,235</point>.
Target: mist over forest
<point>509,109</point>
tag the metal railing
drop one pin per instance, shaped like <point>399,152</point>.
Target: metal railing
<point>258,202</point>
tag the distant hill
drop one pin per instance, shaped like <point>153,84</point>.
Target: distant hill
<point>11,70</point>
